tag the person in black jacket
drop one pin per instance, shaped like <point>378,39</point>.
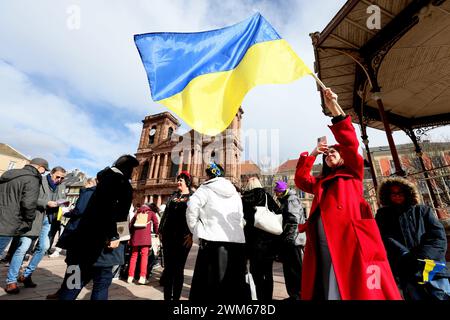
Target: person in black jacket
<point>75,216</point>
<point>261,246</point>
<point>293,241</point>
<point>19,192</point>
<point>410,232</point>
<point>95,246</point>
<point>176,238</point>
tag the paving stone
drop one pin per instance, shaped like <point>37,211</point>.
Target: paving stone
<point>50,273</point>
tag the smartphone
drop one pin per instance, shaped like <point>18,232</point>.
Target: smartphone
<point>322,139</point>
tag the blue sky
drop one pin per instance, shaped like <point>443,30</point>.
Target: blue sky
<point>76,96</point>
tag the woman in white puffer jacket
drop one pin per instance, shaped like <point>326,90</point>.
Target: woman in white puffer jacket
<point>215,218</point>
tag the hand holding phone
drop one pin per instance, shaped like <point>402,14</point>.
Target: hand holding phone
<point>322,146</point>
<point>322,140</point>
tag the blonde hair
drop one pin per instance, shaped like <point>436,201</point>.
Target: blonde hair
<point>253,183</point>
<point>91,181</point>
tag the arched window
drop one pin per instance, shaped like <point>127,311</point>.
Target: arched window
<point>169,134</point>
<point>151,135</point>
<point>144,172</point>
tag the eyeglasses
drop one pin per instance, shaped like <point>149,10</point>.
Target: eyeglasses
<point>59,177</point>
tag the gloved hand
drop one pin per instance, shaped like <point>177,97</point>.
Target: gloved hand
<point>406,263</point>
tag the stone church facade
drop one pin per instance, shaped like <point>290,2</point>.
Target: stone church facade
<point>163,154</point>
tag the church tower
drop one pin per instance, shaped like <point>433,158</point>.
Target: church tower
<point>163,154</point>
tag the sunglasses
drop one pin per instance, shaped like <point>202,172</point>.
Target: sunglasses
<point>59,177</point>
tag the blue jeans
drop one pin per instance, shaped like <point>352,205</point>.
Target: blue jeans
<point>19,255</point>
<point>102,279</point>
<point>4,241</point>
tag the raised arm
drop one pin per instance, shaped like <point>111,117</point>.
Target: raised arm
<point>303,178</point>
<point>345,135</point>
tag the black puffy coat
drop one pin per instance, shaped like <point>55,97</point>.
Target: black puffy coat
<point>19,192</point>
<point>110,203</point>
<point>411,233</point>
<point>259,242</point>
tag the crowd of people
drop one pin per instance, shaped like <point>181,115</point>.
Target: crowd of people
<point>339,252</point>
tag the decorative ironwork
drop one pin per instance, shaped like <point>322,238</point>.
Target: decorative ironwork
<point>420,133</point>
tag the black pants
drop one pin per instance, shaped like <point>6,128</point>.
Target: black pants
<point>292,269</point>
<point>219,273</point>
<point>261,270</point>
<point>175,256</point>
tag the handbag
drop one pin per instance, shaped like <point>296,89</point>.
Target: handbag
<point>268,221</point>
<point>141,220</point>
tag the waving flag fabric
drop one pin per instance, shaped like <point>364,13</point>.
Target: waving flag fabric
<point>203,77</point>
<point>430,268</point>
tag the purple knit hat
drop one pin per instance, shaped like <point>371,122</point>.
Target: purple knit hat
<point>280,186</point>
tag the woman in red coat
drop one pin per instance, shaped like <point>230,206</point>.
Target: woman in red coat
<point>344,255</point>
<point>141,241</point>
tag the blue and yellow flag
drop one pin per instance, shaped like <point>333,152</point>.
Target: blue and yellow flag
<point>431,267</point>
<point>203,77</point>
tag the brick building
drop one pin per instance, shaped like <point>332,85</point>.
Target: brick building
<point>436,158</point>
<point>162,154</point>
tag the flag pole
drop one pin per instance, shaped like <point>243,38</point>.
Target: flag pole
<point>324,87</point>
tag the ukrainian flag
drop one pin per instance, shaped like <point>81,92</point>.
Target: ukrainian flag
<point>431,267</point>
<point>203,77</point>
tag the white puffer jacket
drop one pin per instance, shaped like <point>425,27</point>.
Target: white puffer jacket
<point>215,212</point>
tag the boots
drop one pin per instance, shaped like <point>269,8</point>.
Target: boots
<point>27,282</point>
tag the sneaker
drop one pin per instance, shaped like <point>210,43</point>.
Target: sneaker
<point>130,279</point>
<point>12,288</point>
<point>143,280</point>
<point>27,282</point>
<point>54,254</point>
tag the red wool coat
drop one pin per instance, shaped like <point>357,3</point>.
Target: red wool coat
<point>143,236</point>
<point>357,251</point>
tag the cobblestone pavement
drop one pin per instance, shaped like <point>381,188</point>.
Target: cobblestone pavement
<point>50,271</point>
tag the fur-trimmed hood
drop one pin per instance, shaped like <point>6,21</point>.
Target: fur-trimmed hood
<point>410,190</point>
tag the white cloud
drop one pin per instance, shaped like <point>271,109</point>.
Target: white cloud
<point>99,64</point>
<point>43,124</point>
